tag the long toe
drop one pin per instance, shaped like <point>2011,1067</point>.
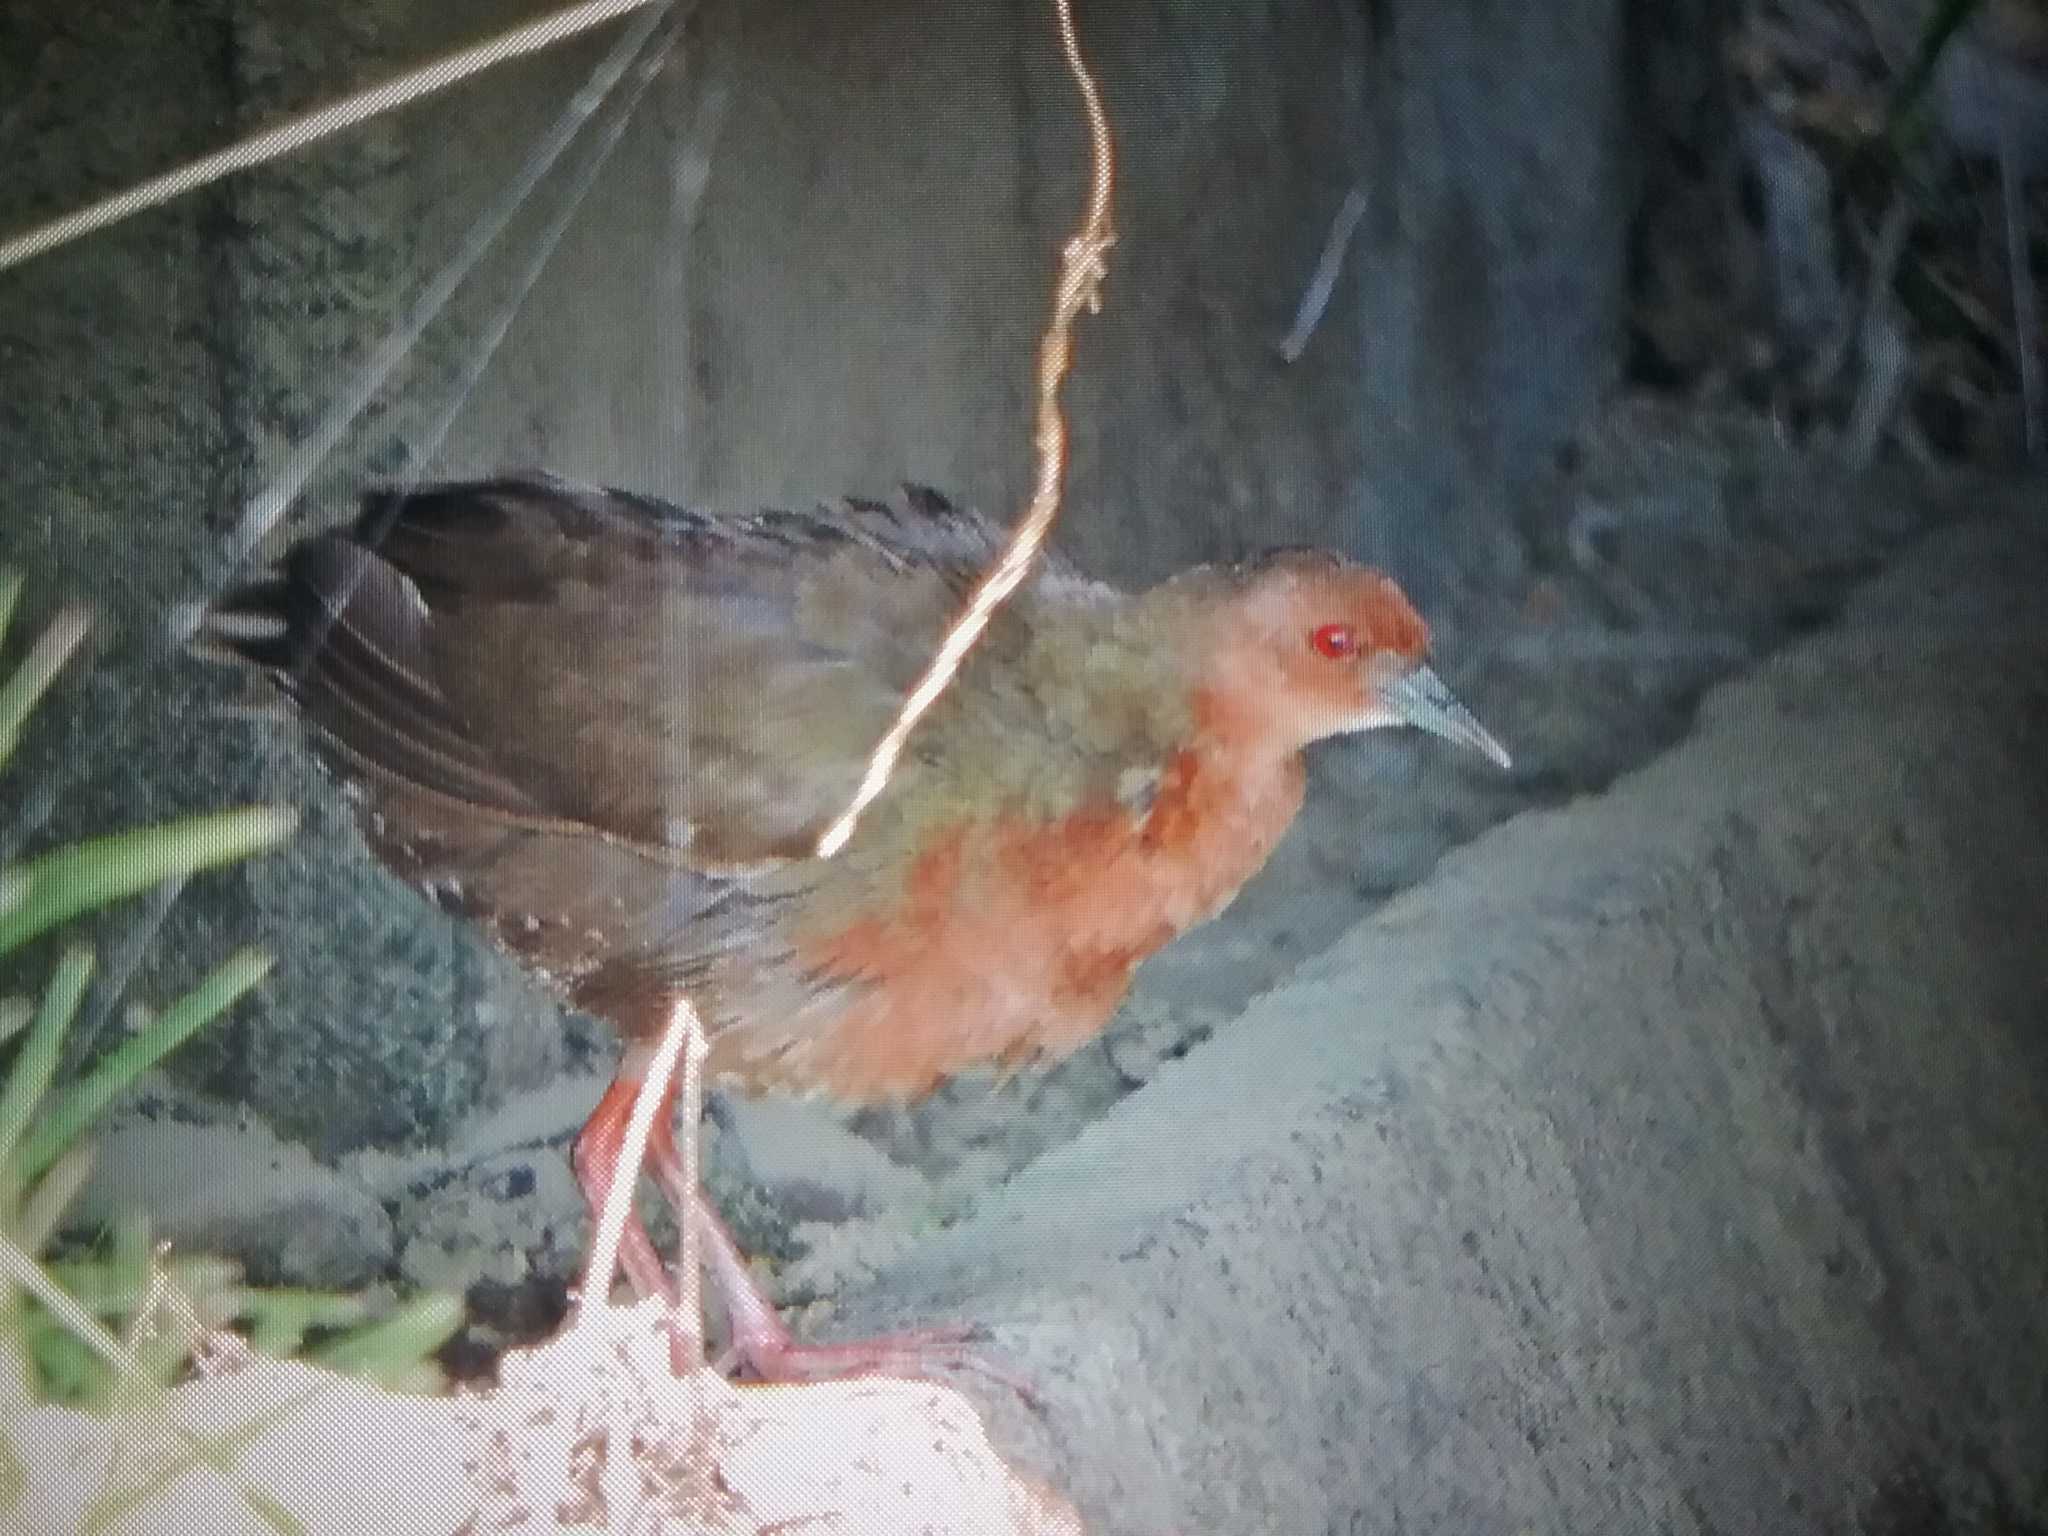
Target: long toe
<point>919,1353</point>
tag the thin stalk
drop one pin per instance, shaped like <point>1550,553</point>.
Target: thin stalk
<point>38,669</point>
<point>37,1059</point>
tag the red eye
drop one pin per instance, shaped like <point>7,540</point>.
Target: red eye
<point>1335,640</point>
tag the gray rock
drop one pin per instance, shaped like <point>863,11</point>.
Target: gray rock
<point>211,1179</point>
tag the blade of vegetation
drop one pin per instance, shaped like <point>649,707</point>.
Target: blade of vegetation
<point>36,1221</point>
<point>38,669</point>
<point>83,876</point>
<point>11,583</point>
<point>81,1103</point>
<point>390,1351</point>
<point>54,1324</point>
<point>37,1059</point>
<point>1947,19</point>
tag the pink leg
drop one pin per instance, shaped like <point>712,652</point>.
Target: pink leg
<point>596,1160</point>
<point>760,1342</point>
<point>763,1345</point>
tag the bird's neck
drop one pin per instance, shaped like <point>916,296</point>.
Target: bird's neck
<point>1227,799</point>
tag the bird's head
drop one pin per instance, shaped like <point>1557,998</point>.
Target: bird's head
<point>1308,645</point>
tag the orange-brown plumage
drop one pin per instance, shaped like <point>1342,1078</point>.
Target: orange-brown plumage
<point>611,732</point>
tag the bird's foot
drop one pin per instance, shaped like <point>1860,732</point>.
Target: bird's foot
<point>772,1353</point>
<point>763,1347</point>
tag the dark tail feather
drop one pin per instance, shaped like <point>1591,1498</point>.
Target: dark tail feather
<point>326,587</point>
<point>343,635</point>
<point>249,625</point>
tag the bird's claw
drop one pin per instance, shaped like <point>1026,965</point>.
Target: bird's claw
<point>920,1353</point>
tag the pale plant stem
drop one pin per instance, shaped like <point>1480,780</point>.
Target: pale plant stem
<point>312,126</point>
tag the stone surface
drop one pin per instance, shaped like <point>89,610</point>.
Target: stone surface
<point>212,1181</point>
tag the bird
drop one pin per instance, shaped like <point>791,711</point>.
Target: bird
<point>610,732</point>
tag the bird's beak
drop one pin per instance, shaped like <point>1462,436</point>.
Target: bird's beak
<point>1419,698</point>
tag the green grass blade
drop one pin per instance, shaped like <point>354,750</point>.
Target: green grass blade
<point>38,669</point>
<point>1909,94</point>
<point>83,876</point>
<point>112,1286</point>
<point>37,1059</point>
<point>391,1349</point>
<point>279,1319</point>
<point>37,1217</point>
<point>11,584</point>
<point>82,1102</point>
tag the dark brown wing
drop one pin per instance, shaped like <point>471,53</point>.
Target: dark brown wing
<point>706,686</point>
<point>578,715</point>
